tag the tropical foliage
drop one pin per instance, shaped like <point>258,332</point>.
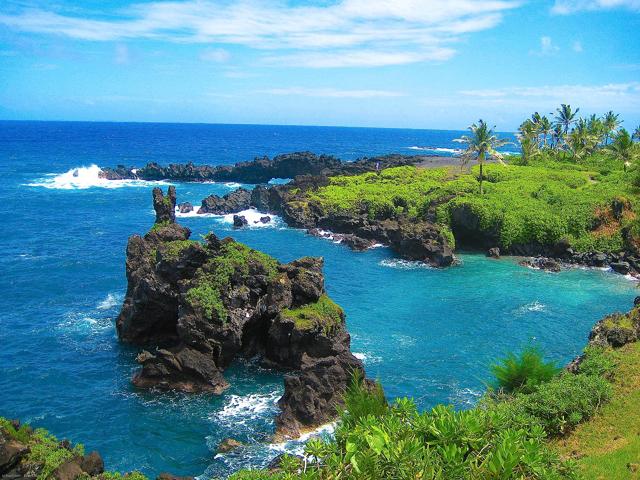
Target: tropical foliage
<point>482,146</point>
<point>523,372</point>
<point>504,437</point>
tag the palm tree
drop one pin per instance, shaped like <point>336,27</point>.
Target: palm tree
<point>481,146</point>
<point>545,128</point>
<point>580,141</point>
<point>611,123</point>
<point>529,140</point>
<point>557,136</point>
<point>596,128</point>
<point>566,117</point>
<point>636,134</point>
<point>623,149</point>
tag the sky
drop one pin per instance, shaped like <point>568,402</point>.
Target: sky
<point>379,63</point>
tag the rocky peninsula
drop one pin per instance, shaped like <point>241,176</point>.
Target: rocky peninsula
<point>196,307</point>
<point>263,169</point>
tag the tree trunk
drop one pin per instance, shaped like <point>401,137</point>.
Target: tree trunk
<point>481,191</point>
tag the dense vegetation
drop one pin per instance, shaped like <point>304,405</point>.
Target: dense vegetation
<point>46,453</point>
<point>550,193</point>
<point>506,436</point>
<point>213,279</point>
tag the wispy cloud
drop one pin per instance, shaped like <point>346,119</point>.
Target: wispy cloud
<point>354,32</point>
<point>566,7</point>
<point>547,47</point>
<point>577,47</point>
<point>330,92</point>
<point>217,55</point>
<point>618,96</point>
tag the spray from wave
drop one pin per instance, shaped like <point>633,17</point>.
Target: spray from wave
<point>82,178</point>
<point>252,215</point>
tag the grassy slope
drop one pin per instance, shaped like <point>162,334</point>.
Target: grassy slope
<point>543,202</point>
<point>606,445</point>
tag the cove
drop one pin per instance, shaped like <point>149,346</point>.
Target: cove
<point>426,333</point>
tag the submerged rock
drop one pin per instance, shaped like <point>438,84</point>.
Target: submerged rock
<point>493,252</point>
<point>229,444</point>
<point>202,305</point>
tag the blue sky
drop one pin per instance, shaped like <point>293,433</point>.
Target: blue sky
<point>384,63</point>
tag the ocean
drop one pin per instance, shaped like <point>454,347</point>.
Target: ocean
<point>425,333</point>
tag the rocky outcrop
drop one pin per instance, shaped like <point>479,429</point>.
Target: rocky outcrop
<point>67,463</point>
<point>233,202</point>
<point>542,263</point>
<point>202,305</point>
<point>261,169</point>
<point>617,329</point>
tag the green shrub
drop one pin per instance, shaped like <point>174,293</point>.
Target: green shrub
<point>562,403</point>
<point>22,434</point>
<point>597,361</point>
<point>46,452</point>
<point>361,401</point>
<point>523,372</point>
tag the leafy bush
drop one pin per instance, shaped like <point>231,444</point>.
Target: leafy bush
<point>562,403</point>
<point>47,454</point>
<point>597,361</point>
<point>523,372</point>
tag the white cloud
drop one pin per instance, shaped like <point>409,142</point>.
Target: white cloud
<point>330,92</point>
<point>623,97</point>
<point>547,47</point>
<point>566,7</point>
<point>121,55</point>
<point>359,32</point>
<point>577,47</point>
<point>217,55</point>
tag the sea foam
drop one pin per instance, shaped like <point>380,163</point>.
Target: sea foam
<point>82,178</point>
<point>252,215</point>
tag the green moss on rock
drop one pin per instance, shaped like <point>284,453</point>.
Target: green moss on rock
<point>324,314</point>
<point>172,250</point>
<point>235,260</point>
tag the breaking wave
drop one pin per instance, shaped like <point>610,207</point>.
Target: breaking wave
<point>82,178</point>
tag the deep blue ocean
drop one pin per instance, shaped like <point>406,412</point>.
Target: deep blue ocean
<point>430,334</point>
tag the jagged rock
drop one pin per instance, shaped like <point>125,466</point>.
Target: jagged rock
<point>240,221</point>
<point>542,263</point>
<point>165,207</point>
<point>69,470</point>
<point>266,219</point>
<point>261,169</point>
<point>11,452</point>
<point>621,267</point>
<point>185,207</point>
<point>636,301</point>
<point>204,305</point>
<point>356,243</point>
<point>229,444</point>
<point>617,329</point>
<point>493,252</point>
<point>233,202</point>
<point>599,259</point>
<point>92,464</point>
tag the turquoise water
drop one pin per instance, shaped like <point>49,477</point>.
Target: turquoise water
<point>426,333</point>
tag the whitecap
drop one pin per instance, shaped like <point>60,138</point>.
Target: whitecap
<point>403,264</point>
<point>112,300</point>
<point>82,178</point>
<point>252,215</point>
<point>240,409</point>
<point>232,185</point>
